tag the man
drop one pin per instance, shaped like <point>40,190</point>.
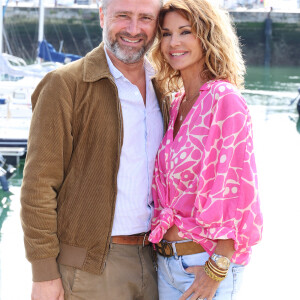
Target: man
<point>86,194</point>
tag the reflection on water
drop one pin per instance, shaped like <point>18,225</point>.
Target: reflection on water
<point>274,89</point>
<point>298,124</point>
<point>268,93</point>
<point>5,202</point>
<point>273,79</point>
<point>6,196</point>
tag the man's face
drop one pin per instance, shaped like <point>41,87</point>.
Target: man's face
<point>129,28</point>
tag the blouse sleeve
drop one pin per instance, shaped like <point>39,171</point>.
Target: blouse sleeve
<point>227,202</point>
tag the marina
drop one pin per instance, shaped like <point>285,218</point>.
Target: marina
<point>75,29</point>
<point>52,31</point>
<point>17,82</point>
<point>277,145</point>
<point>272,92</point>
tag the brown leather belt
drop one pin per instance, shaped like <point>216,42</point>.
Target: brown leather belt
<point>165,248</point>
<point>131,239</point>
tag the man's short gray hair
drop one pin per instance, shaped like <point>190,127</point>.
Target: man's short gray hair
<point>104,4</point>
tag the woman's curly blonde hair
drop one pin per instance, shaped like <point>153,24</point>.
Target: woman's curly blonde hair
<point>214,28</point>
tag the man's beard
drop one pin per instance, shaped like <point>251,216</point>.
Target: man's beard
<point>126,54</point>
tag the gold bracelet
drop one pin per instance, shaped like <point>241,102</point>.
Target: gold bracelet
<point>217,274</point>
<point>211,274</point>
<point>215,269</point>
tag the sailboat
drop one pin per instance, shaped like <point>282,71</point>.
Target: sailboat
<point>45,50</point>
<point>14,66</point>
<point>17,82</point>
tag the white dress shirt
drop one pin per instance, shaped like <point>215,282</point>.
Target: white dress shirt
<point>143,132</point>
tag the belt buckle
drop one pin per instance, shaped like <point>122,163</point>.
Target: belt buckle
<point>162,247</point>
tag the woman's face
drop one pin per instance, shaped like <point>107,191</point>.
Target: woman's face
<point>180,47</point>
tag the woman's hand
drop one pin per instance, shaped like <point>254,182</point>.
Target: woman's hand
<point>203,286</point>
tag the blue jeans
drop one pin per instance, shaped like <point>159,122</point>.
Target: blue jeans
<point>173,280</point>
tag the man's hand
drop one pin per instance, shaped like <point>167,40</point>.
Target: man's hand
<point>48,290</point>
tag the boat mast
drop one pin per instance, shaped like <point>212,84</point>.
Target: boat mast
<point>1,27</point>
<point>41,23</point>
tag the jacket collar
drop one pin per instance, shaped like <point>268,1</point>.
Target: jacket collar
<point>95,66</point>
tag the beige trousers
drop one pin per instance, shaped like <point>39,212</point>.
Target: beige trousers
<point>129,274</point>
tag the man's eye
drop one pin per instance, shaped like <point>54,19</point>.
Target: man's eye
<point>122,16</point>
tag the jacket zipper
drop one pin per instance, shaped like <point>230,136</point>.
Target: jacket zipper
<point>119,152</point>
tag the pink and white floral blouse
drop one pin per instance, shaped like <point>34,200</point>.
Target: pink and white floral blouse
<point>205,179</point>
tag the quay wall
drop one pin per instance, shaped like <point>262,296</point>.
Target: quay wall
<point>80,31</point>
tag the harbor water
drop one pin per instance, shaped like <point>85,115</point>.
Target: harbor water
<point>274,267</point>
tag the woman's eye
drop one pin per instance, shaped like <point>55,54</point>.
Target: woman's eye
<point>186,32</point>
<point>166,34</point>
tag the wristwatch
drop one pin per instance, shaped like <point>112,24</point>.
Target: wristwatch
<point>221,261</point>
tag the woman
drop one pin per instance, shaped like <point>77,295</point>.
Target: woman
<point>207,214</point>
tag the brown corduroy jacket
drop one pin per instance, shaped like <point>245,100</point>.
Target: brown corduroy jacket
<point>70,177</point>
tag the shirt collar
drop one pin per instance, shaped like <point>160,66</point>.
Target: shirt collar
<point>206,86</point>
